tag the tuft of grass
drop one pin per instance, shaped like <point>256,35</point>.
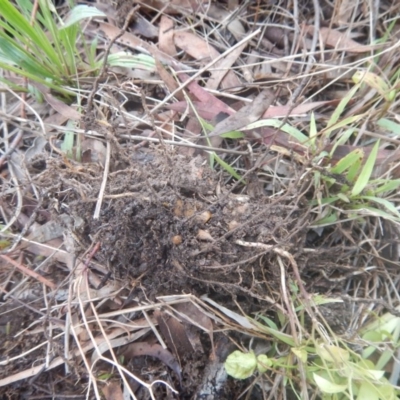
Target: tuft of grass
<point>38,46</point>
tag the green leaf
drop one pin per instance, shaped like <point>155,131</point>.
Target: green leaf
<point>313,130</point>
<point>240,365</point>
<point>233,135</point>
<point>389,125</point>
<point>367,391</point>
<point>332,353</point>
<point>300,353</point>
<point>376,82</point>
<point>365,174</point>
<point>328,220</point>
<point>341,140</point>
<point>347,161</point>
<point>342,105</point>
<point>263,363</point>
<point>388,186</point>
<point>354,170</point>
<point>275,123</point>
<point>344,122</point>
<point>327,386</point>
<point>386,203</point>
<point>343,197</point>
<point>81,12</point>
<point>375,212</point>
<point>227,167</point>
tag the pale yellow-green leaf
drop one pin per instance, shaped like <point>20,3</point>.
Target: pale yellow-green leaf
<point>327,386</point>
<point>240,365</point>
<point>343,197</point>
<point>376,82</point>
<point>263,363</point>
<point>313,130</point>
<point>332,353</point>
<point>367,391</point>
<point>300,353</point>
<point>365,174</point>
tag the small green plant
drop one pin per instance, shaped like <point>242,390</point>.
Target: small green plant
<point>39,46</point>
<point>330,365</point>
<point>347,187</point>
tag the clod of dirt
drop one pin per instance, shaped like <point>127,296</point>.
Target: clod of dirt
<point>168,221</point>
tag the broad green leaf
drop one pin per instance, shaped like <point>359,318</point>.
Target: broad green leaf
<point>347,161</point>
<point>240,365</point>
<point>327,386</point>
<point>263,363</point>
<point>81,12</point>
<point>342,105</point>
<point>365,174</point>
<point>332,353</point>
<point>300,353</point>
<point>275,123</point>
<point>367,391</point>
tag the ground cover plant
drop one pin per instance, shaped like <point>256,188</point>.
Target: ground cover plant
<point>199,200</point>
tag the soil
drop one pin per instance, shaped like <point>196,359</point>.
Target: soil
<point>169,225</point>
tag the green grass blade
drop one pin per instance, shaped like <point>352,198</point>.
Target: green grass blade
<point>366,172</point>
<point>81,12</point>
<point>386,203</point>
<point>347,161</point>
<point>389,125</point>
<point>275,123</point>
<point>341,106</point>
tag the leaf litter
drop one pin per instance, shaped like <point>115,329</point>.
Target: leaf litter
<point>134,271</point>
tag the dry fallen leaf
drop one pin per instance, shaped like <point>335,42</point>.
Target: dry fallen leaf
<point>166,36</point>
<point>201,50</point>
<point>248,114</point>
<point>340,40</point>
